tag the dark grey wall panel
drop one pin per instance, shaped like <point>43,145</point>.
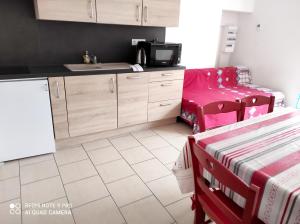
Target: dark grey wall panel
<point>27,41</point>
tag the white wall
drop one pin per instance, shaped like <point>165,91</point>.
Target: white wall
<point>273,52</point>
<point>199,29</point>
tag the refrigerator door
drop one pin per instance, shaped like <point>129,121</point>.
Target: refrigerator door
<point>25,119</point>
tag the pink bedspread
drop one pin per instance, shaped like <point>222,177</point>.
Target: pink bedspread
<point>203,86</point>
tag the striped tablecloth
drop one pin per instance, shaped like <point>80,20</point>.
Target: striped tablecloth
<point>264,151</point>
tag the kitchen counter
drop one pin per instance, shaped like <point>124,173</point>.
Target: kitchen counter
<point>60,70</point>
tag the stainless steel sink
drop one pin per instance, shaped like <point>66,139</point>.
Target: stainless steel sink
<point>97,67</point>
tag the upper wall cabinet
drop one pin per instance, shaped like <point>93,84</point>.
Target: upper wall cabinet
<point>161,13</point>
<point>127,12</point>
<point>66,10</point>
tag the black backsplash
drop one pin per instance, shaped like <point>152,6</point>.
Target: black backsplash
<point>27,41</point>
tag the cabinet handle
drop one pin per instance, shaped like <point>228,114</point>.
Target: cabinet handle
<point>134,77</point>
<point>57,90</point>
<point>166,74</point>
<point>167,84</point>
<point>112,90</point>
<point>137,13</point>
<point>146,14</point>
<point>91,9</point>
<point>165,104</point>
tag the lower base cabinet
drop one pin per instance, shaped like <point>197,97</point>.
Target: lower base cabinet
<point>91,103</point>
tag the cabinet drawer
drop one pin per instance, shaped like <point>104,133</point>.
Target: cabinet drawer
<point>166,75</point>
<point>59,107</point>
<point>163,110</point>
<point>132,99</point>
<point>167,90</point>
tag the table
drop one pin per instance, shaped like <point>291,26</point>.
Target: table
<point>264,151</point>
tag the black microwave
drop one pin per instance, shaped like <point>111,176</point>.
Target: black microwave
<point>155,53</point>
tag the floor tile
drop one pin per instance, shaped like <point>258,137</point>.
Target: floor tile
<point>5,212</point>
<point>166,154</point>
<point>59,205</point>
<point>146,211</point>
<point>96,144</point>
<point>70,155</point>
<point>150,170</point>
<point>143,134</point>
<point>104,155</point>
<point>43,191</point>
<point>9,169</point>
<point>36,159</point>
<point>86,190</point>
<point>136,155</point>
<point>9,189</point>
<point>76,171</point>
<point>182,212</point>
<point>38,171</point>
<point>114,170</point>
<point>125,142</point>
<point>166,189</point>
<point>103,211</point>
<point>128,190</point>
<point>154,142</point>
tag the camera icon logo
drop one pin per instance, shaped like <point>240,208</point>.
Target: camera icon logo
<point>15,208</point>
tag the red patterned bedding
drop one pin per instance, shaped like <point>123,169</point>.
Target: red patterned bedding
<point>203,86</point>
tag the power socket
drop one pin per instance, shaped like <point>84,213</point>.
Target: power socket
<point>134,42</point>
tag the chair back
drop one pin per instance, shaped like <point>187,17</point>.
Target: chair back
<point>258,100</point>
<point>215,203</point>
<point>218,108</point>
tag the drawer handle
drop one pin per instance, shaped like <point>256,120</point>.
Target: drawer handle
<point>165,104</point>
<point>166,74</point>
<point>134,77</point>
<point>167,84</point>
<point>137,13</point>
<point>57,90</point>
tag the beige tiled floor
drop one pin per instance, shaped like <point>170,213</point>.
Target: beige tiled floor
<point>123,179</point>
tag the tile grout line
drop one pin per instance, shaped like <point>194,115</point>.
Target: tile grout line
<point>105,184</point>
<point>145,183</point>
<point>39,180</point>
<point>64,188</point>
<point>10,177</point>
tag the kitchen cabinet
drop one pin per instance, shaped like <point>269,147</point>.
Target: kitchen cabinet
<point>127,12</point>
<point>161,13</point>
<point>59,107</point>
<point>66,10</point>
<point>132,99</point>
<point>91,103</point>
<point>165,94</point>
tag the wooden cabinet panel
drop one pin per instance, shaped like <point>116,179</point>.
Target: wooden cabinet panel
<point>66,10</point>
<point>161,13</point>
<point>91,103</point>
<point>132,99</point>
<point>127,12</point>
<point>59,107</point>
<point>164,110</point>
<point>166,90</point>
<point>166,75</point>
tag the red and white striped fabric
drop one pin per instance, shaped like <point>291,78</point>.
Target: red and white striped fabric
<point>264,151</point>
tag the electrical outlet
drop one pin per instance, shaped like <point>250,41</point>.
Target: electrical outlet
<point>135,41</point>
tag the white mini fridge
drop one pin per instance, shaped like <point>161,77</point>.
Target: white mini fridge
<point>25,119</point>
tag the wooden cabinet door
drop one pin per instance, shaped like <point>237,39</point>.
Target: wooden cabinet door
<point>59,107</point>
<point>132,99</point>
<point>66,10</point>
<point>161,13</point>
<point>91,103</point>
<point>127,12</point>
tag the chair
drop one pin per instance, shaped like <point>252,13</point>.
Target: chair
<point>258,100</point>
<point>218,108</point>
<point>213,202</point>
